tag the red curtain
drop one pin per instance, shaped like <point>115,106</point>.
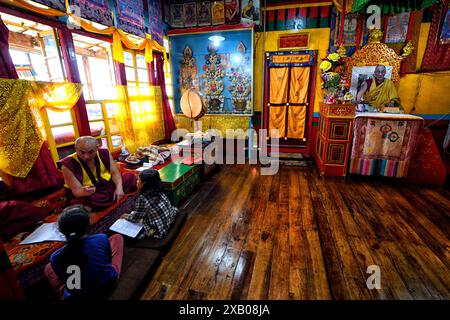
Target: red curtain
<point>437,54</point>
<point>44,173</point>
<point>169,123</point>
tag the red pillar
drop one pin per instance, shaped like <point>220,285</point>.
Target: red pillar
<point>70,64</point>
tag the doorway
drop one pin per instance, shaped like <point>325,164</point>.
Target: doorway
<point>289,99</point>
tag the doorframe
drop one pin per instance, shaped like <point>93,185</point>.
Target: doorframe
<point>307,149</point>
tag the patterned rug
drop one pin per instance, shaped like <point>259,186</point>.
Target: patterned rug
<point>295,163</point>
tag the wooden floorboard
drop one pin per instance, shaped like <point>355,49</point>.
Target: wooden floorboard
<point>296,235</point>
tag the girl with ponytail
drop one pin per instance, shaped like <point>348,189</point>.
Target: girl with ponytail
<point>87,266</point>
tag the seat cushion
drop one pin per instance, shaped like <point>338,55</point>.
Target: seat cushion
<point>166,242</point>
<point>19,216</point>
<point>137,266</point>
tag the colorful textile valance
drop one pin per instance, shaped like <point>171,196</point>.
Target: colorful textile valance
<point>93,10</point>
<point>384,144</point>
<point>55,4</point>
<point>130,16</point>
<point>390,6</point>
<point>20,104</point>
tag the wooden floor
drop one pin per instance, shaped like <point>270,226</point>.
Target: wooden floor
<point>296,235</point>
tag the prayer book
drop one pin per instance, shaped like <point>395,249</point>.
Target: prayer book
<point>126,228</point>
<point>46,232</point>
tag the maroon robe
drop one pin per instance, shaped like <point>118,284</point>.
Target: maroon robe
<point>104,190</point>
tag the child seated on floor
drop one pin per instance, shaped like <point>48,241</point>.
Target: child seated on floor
<point>98,259</point>
<point>152,208</point>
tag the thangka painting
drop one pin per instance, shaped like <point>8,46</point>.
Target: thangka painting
<point>240,87</point>
<point>232,10</point>
<point>93,10</point>
<point>397,28</point>
<point>204,13</point>
<point>130,16</point>
<point>176,15</point>
<point>188,78</point>
<point>221,71</point>
<point>445,33</point>
<point>250,11</point>
<point>55,4</point>
<point>218,12</point>
<point>350,29</point>
<point>190,14</point>
<point>155,17</point>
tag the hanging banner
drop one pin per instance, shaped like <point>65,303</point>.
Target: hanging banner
<point>291,59</point>
<point>155,15</point>
<point>93,10</point>
<point>130,17</point>
<point>55,4</point>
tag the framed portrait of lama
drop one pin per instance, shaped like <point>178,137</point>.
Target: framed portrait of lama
<point>218,12</point>
<point>190,14</point>
<point>204,13</point>
<point>397,28</point>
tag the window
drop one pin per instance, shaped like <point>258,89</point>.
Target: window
<point>34,49</point>
<point>168,78</point>
<point>96,68</point>
<point>136,69</point>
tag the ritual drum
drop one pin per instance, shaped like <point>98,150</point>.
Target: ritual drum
<point>192,105</point>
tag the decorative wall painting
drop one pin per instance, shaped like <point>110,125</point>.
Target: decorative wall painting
<point>190,14</point>
<point>397,28</point>
<point>176,15</point>
<point>240,78</point>
<point>221,71</point>
<point>250,11</point>
<point>188,78</point>
<point>93,10</point>
<point>445,33</point>
<point>212,83</point>
<point>155,16</point>
<point>232,11</point>
<point>130,17</point>
<point>350,29</point>
<point>204,13</point>
<point>218,12</point>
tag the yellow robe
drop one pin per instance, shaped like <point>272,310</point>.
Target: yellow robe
<point>379,96</point>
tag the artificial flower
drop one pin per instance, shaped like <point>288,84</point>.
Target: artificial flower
<point>334,56</point>
<point>325,65</point>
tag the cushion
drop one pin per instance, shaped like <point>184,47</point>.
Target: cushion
<point>137,266</point>
<point>166,242</point>
<point>19,216</point>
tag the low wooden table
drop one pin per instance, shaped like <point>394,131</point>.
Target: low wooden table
<point>179,180</point>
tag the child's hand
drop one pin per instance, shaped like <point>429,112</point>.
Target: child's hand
<point>124,216</point>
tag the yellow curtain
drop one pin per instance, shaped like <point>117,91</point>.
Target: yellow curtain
<point>298,91</point>
<point>296,122</point>
<point>277,120</point>
<point>278,85</point>
<point>139,115</point>
<point>298,94</point>
<point>20,103</point>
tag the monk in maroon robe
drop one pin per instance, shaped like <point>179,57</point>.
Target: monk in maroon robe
<point>92,178</point>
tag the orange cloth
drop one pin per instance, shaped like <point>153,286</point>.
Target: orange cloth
<point>296,122</point>
<point>277,120</point>
<point>298,91</point>
<point>278,85</point>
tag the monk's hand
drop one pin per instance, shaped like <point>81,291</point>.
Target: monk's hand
<point>118,194</point>
<point>88,190</point>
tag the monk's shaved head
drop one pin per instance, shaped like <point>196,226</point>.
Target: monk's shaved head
<point>86,141</point>
<point>380,72</point>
